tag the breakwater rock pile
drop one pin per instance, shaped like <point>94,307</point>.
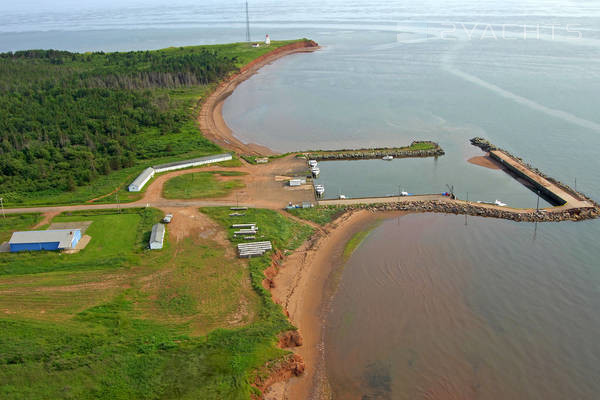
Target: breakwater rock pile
<point>463,208</point>
<point>416,149</point>
<point>483,144</point>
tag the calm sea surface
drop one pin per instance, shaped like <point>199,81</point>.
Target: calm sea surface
<point>428,307</point>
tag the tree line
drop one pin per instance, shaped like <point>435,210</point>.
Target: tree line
<point>67,118</point>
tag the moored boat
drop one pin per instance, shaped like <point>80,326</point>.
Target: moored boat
<point>320,189</point>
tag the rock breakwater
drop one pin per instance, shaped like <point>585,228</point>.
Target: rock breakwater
<point>464,208</point>
<point>416,149</point>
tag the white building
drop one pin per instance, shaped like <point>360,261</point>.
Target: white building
<point>297,182</point>
<point>141,180</point>
<point>195,162</point>
<point>267,40</point>
<point>157,237</point>
<point>148,173</point>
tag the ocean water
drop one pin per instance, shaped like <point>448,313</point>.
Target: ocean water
<point>428,307</point>
<point>431,308</point>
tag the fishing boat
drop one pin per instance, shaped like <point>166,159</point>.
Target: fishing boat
<point>320,189</point>
<point>312,163</point>
<point>315,171</point>
<point>494,203</point>
<point>388,158</point>
<point>342,196</point>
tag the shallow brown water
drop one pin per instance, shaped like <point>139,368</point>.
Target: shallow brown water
<point>429,308</point>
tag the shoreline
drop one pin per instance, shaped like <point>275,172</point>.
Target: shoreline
<point>211,121</point>
<point>304,287</point>
<point>484,161</point>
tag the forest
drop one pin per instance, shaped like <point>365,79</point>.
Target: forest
<point>67,119</point>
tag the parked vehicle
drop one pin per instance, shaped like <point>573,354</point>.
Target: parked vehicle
<point>167,219</point>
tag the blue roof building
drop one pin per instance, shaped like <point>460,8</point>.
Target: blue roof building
<point>57,239</point>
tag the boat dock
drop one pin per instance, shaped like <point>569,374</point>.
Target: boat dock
<point>568,204</point>
<point>383,200</point>
<point>558,195</point>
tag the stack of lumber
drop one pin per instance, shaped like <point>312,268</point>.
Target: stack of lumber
<point>254,249</point>
<point>245,229</point>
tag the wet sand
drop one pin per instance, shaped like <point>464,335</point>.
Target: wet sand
<point>484,161</point>
<point>304,287</point>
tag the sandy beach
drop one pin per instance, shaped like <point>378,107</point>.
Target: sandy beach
<point>300,287</point>
<point>484,161</point>
<point>211,121</point>
<point>304,286</point>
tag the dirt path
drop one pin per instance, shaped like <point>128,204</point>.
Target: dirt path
<point>46,220</point>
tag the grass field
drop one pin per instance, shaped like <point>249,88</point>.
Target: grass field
<point>319,215</point>
<point>10,223</point>
<point>104,251</point>
<point>283,232</point>
<point>202,185</point>
<point>117,321</point>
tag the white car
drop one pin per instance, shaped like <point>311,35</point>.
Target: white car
<point>167,218</point>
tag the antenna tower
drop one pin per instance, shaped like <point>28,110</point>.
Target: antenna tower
<point>247,24</point>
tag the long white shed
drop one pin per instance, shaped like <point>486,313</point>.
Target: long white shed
<point>195,162</point>
<point>149,172</point>
<point>141,180</point>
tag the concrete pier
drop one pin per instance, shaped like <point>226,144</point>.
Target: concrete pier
<point>552,191</point>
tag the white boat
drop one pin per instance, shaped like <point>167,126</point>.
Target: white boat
<point>320,189</point>
<point>493,203</point>
<point>342,197</point>
<point>388,158</point>
<point>315,171</point>
<point>312,163</point>
<point>403,193</point>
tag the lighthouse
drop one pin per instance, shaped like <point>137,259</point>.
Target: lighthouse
<point>267,40</point>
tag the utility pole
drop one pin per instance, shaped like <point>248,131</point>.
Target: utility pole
<point>466,223</point>
<point>247,24</point>
<point>2,205</point>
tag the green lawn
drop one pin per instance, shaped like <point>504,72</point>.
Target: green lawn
<point>116,238</point>
<point>319,215</point>
<point>10,223</point>
<point>198,185</point>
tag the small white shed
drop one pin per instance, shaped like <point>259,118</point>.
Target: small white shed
<point>157,237</point>
<point>297,182</point>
